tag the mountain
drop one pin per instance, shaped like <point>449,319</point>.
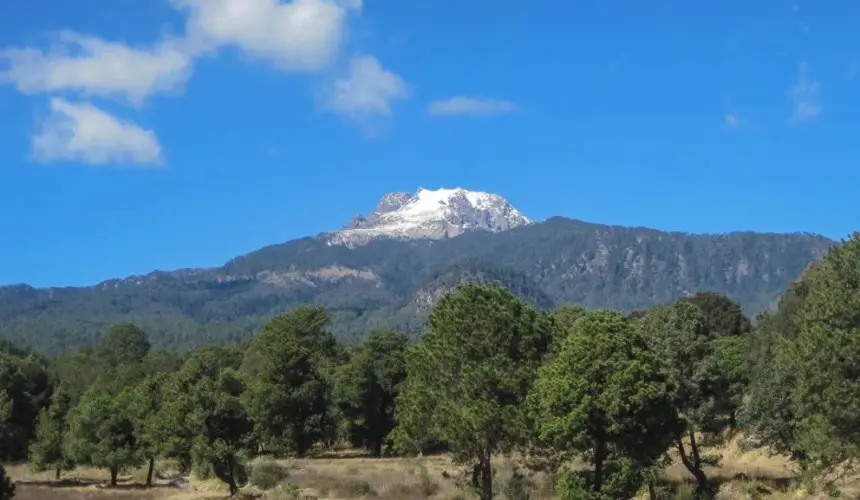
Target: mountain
<point>402,262</point>
<point>438,214</point>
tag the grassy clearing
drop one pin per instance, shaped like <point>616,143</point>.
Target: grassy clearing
<point>342,476</point>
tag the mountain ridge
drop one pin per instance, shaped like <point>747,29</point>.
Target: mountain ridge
<point>390,283</point>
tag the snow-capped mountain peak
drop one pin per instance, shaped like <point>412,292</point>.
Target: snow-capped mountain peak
<point>431,214</point>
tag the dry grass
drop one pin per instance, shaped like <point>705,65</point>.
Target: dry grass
<point>91,484</point>
<point>342,476</point>
<point>734,462</point>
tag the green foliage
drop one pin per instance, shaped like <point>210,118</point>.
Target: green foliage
<point>605,397</point>
<point>46,451</point>
<point>826,357</point>
<point>468,377</point>
<point>267,474</point>
<point>559,261</point>
<point>288,396</point>
<point>725,322</point>
<point>222,427</point>
<point>769,416</point>
<point>202,422</point>
<point>7,487</point>
<point>101,434</point>
<point>492,374</point>
<point>563,318</point>
<point>705,358</point>
<point>27,385</point>
<point>366,387</point>
<point>124,343</point>
<point>720,314</point>
<point>144,404</point>
<point>78,370</point>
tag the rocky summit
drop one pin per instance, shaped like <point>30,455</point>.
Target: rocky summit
<point>429,214</point>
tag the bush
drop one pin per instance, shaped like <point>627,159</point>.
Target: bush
<point>267,474</point>
<point>518,487</point>
<point>285,491</point>
<point>685,492</point>
<point>355,488</point>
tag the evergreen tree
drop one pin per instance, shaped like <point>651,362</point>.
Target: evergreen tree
<point>202,421</point>
<point>366,388</point>
<point>825,357</point>
<point>605,398</point>
<point>101,434</point>
<point>7,487</point>
<point>679,335</point>
<point>47,451</point>
<point>288,395</point>
<point>124,343</point>
<point>468,378</point>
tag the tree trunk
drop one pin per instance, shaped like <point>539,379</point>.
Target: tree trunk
<point>599,457</point>
<point>226,471</point>
<point>114,471</point>
<point>694,463</point>
<point>150,471</point>
<point>57,472</point>
<point>233,488</point>
<point>376,451</point>
<point>652,489</point>
<point>482,477</point>
<point>487,478</point>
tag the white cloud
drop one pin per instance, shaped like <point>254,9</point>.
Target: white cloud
<point>294,35</point>
<point>81,132</point>
<point>470,106</point>
<point>732,120</point>
<point>368,90</point>
<point>303,35</point>
<point>807,104</point>
<point>94,66</point>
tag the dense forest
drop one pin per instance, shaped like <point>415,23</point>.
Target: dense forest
<point>391,284</point>
<point>491,375</point>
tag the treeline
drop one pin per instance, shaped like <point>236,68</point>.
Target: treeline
<point>490,375</point>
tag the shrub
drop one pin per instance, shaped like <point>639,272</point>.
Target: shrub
<point>267,474</point>
<point>518,487</point>
<point>355,488</point>
<point>685,492</point>
<point>285,491</point>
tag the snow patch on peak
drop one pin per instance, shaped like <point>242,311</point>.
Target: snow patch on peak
<point>431,214</point>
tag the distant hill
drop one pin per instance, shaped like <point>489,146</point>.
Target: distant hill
<point>393,282</point>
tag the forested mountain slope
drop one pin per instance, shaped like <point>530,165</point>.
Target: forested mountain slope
<point>392,283</point>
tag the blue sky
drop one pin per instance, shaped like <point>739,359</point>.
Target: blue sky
<point>141,135</point>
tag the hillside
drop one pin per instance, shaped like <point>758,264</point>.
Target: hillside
<point>392,282</point>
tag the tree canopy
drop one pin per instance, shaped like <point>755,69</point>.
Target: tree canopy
<point>468,377</point>
<point>605,397</point>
